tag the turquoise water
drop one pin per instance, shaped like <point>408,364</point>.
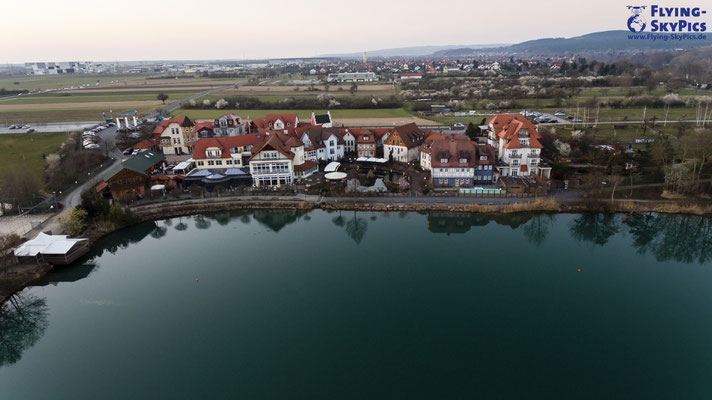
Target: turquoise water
<point>357,305</point>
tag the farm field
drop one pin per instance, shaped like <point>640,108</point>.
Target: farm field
<point>27,150</point>
<point>90,97</point>
<point>375,89</point>
<point>357,117</point>
<point>59,114</point>
<point>37,82</point>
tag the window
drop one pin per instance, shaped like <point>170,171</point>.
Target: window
<point>515,172</point>
<point>515,162</point>
<point>463,160</point>
<point>211,162</point>
<point>218,162</point>
<point>228,162</point>
<point>483,158</point>
<point>443,160</point>
<point>200,163</point>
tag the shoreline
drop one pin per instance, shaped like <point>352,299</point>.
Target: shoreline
<point>18,277</point>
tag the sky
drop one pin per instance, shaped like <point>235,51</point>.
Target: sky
<point>131,30</point>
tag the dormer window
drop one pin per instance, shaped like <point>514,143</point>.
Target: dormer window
<point>463,160</point>
<point>443,160</point>
<point>483,158</point>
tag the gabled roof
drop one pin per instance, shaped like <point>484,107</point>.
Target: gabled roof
<point>453,150</point>
<point>509,127</point>
<point>140,163</point>
<point>291,118</point>
<point>279,142</point>
<point>226,143</point>
<point>317,135</point>
<point>410,134</point>
<point>203,125</point>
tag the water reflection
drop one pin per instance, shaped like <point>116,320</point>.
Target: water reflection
<point>594,228</point>
<point>23,320</point>
<point>277,219</point>
<point>125,237</point>
<point>69,273</point>
<point>671,237</point>
<point>355,226</point>
<point>537,229</point>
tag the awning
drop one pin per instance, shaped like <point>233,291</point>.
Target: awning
<point>332,167</point>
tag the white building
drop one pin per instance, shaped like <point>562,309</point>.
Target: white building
<point>352,77</point>
<point>516,143</point>
<point>279,160</point>
<point>229,125</point>
<point>323,144</point>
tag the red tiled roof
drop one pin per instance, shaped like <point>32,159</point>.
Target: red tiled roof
<point>144,144</point>
<point>225,144</point>
<point>453,150</point>
<point>306,165</point>
<point>508,126</point>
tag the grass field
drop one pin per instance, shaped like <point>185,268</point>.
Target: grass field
<point>302,114</point>
<point>26,150</point>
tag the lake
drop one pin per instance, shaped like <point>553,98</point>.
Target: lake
<point>319,305</point>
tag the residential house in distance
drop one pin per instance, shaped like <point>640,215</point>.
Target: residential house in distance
<point>281,121</point>
<point>323,144</point>
<point>366,144</point>
<point>322,119</point>
<point>225,152</point>
<point>454,162</point>
<point>204,130</point>
<point>516,142</point>
<point>278,160</point>
<point>349,137</point>
<point>229,125</point>
<point>132,176</point>
<point>178,136</point>
<point>403,143</point>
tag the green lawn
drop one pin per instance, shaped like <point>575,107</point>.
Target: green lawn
<point>302,114</point>
<point>25,150</point>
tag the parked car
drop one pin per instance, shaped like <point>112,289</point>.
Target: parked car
<point>570,117</point>
<point>458,125</point>
<point>29,130</point>
<point>91,146</point>
<point>128,151</point>
<point>560,113</point>
<point>25,127</point>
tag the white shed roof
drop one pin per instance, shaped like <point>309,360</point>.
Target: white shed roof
<point>46,244</point>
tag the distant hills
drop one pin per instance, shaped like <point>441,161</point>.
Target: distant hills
<point>592,42</point>
<point>414,51</point>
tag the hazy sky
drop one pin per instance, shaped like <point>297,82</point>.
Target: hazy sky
<point>62,30</point>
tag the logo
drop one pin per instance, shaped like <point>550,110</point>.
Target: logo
<point>636,22</point>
